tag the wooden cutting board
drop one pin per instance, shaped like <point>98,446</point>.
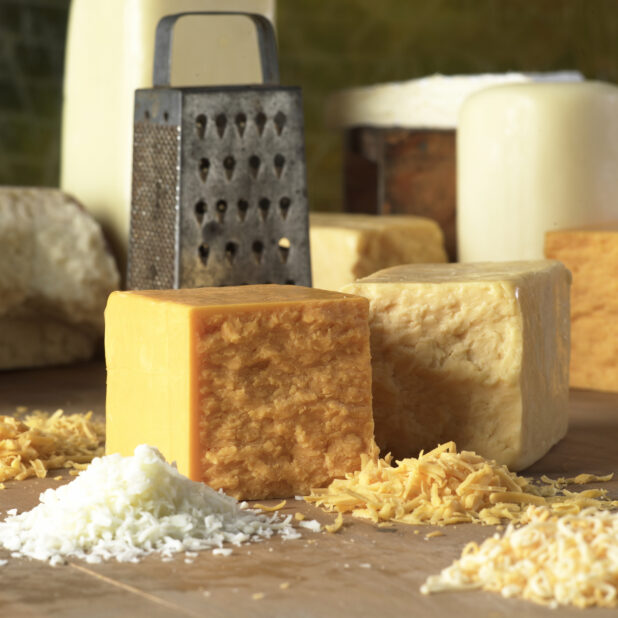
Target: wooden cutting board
<point>361,571</point>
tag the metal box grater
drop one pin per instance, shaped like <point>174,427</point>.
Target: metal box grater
<point>219,187</point>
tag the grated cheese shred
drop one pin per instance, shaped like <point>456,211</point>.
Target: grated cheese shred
<point>445,487</point>
<point>43,442</point>
<point>551,560</point>
<point>128,507</point>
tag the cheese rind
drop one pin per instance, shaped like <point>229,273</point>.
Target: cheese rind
<point>475,353</point>
<point>591,254</point>
<point>262,391</point>
<point>346,247</point>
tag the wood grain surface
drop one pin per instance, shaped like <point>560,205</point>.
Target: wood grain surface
<point>360,571</point>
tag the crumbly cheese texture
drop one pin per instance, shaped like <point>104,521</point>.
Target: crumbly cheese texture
<point>262,391</point>
<point>445,487</point>
<point>570,560</point>
<point>125,508</point>
<point>475,353</point>
<point>43,442</point>
<point>591,254</point>
<point>346,247</point>
<point>55,276</point>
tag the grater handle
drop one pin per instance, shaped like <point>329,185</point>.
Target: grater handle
<point>267,46</point>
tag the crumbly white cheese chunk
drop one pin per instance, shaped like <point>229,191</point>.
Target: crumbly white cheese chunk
<point>55,276</point>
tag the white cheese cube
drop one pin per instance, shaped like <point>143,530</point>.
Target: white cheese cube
<point>475,353</point>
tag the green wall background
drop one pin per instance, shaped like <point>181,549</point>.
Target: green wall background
<point>324,46</point>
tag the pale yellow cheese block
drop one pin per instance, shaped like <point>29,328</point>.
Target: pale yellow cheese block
<point>475,353</point>
<point>591,254</point>
<point>346,247</point>
<point>262,391</point>
<point>110,53</point>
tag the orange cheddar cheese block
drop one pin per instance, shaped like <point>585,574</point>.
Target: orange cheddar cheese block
<point>263,391</point>
<point>591,254</point>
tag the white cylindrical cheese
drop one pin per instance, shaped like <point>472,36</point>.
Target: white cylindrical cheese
<point>110,52</point>
<point>531,158</point>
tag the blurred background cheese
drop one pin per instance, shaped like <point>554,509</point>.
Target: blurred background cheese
<point>346,247</point>
<point>431,102</point>
<point>475,353</point>
<point>399,143</point>
<point>532,158</point>
<point>110,52</point>
<point>262,391</point>
<point>591,254</point>
<point>55,275</point>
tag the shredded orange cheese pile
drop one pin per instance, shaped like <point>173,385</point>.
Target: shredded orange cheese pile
<point>43,442</point>
<point>569,560</point>
<point>446,487</point>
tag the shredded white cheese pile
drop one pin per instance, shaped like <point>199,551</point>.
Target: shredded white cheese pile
<point>43,442</point>
<point>446,487</point>
<point>569,560</point>
<point>127,507</point>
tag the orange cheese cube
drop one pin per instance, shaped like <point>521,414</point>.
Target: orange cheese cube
<point>591,254</point>
<point>263,391</point>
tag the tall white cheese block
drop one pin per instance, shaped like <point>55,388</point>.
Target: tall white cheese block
<point>475,353</point>
<point>110,51</point>
<point>532,158</point>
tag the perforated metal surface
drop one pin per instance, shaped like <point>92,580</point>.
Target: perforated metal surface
<point>244,199</point>
<point>242,214</point>
<point>154,210</point>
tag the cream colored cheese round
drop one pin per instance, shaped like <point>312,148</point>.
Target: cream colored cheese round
<point>533,158</point>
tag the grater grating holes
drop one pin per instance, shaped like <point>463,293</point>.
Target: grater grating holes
<point>204,168</point>
<point>280,119</point>
<point>221,210</point>
<point>243,207</point>
<point>200,125</point>
<point>284,206</point>
<point>231,250</point>
<point>221,124</point>
<point>258,250</point>
<point>241,123</point>
<point>264,206</point>
<point>229,163</point>
<point>284,249</point>
<point>200,211</point>
<point>254,165</point>
<point>203,251</point>
<point>260,121</point>
<point>279,163</point>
